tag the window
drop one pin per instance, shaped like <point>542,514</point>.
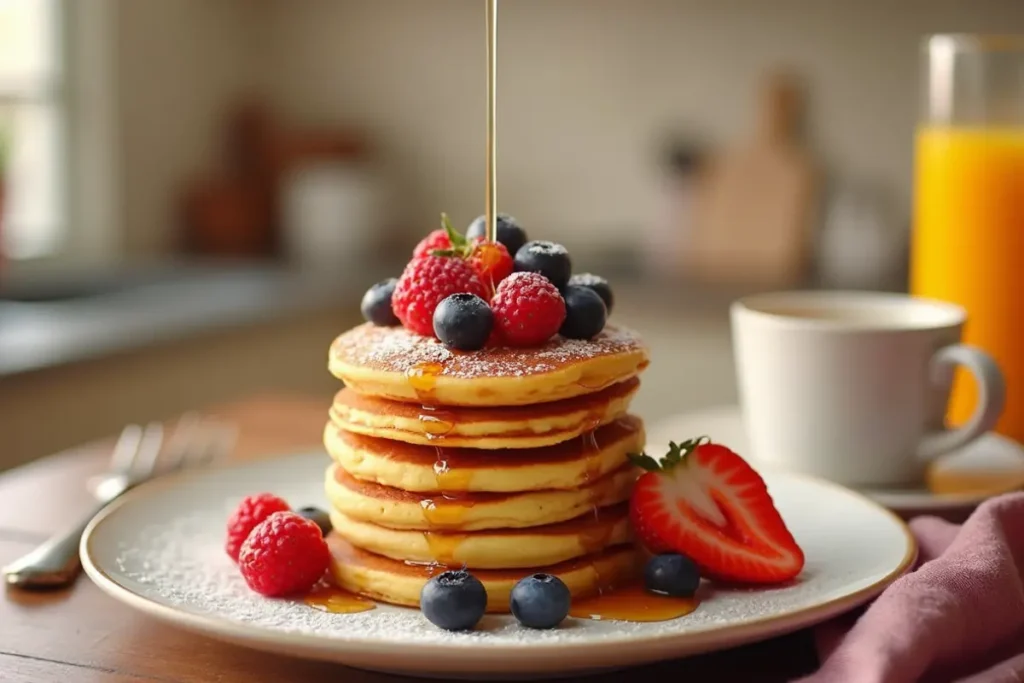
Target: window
<point>33,145</point>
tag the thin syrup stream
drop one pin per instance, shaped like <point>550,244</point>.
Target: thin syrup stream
<point>491,197</point>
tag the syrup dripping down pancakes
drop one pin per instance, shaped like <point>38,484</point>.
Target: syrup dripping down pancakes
<point>507,461</point>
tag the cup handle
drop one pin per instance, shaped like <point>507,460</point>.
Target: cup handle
<point>991,397</point>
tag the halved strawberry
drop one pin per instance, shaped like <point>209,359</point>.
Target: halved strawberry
<point>706,502</point>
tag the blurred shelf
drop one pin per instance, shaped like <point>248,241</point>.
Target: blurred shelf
<point>54,322</point>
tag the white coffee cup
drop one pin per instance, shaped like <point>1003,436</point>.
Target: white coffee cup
<point>853,386</point>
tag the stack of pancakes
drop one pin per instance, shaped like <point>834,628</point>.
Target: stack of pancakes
<point>505,461</point>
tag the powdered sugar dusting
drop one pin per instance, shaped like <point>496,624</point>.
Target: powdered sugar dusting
<point>396,349</point>
<point>167,546</point>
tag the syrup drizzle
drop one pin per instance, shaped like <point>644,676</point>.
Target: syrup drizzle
<point>628,603</point>
<point>422,378</point>
<point>591,450</point>
<point>437,423</point>
<point>443,547</point>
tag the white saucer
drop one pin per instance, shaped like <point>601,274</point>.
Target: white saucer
<point>995,458</point>
<point>160,550</point>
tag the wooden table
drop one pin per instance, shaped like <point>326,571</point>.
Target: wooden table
<point>80,635</point>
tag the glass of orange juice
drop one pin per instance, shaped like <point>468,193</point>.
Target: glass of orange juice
<point>967,243</point>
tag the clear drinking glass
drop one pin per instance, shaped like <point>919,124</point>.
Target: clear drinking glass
<point>968,229</point>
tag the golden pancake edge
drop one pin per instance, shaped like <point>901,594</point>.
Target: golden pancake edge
<point>523,426</point>
<point>394,363</point>
<point>439,469</point>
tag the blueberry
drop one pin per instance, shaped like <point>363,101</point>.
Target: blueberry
<point>314,514</point>
<point>585,313</point>
<point>509,232</point>
<point>453,600</point>
<point>596,283</point>
<point>463,322</point>
<point>376,305</point>
<point>540,601</point>
<point>547,258</point>
<point>672,574</point>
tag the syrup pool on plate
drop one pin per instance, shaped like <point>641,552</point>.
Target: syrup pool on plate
<point>632,602</point>
<point>628,603</point>
<point>337,601</point>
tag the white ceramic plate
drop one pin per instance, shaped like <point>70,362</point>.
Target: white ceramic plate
<point>1001,459</point>
<point>159,549</point>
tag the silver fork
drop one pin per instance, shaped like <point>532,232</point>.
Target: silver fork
<point>138,456</point>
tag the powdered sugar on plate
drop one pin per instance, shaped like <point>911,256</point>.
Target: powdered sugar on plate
<point>163,543</point>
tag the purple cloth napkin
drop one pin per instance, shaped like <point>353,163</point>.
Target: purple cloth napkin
<point>959,616</point>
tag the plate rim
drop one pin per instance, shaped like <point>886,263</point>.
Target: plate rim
<point>335,647</point>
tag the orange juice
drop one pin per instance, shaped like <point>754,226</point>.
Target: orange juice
<point>968,248</point>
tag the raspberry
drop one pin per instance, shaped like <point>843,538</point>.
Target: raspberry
<point>425,282</point>
<point>286,553</point>
<point>491,261</point>
<point>528,310</point>
<point>250,512</point>
<point>437,240</point>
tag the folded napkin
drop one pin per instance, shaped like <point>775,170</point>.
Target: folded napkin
<point>959,616</point>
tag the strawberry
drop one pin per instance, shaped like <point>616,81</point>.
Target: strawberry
<point>706,502</point>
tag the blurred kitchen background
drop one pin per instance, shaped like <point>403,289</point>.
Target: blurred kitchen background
<point>196,193</point>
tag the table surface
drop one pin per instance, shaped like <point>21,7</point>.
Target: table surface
<point>81,635</point>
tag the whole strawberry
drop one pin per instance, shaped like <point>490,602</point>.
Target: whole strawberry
<point>528,309</point>
<point>285,554</point>
<point>425,282</point>
<point>249,513</point>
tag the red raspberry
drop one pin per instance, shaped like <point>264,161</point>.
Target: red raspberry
<point>250,512</point>
<point>437,240</point>
<point>284,554</point>
<point>495,339</point>
<point>528,309</point>
<point>491,261</point>
<point>425,282</point>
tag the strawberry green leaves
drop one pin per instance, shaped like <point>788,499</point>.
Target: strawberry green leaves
<point>461,246</point>
<point>677,453</point>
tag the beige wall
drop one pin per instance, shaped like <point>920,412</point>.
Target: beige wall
<point>180,62</point>
<point>588,88</point>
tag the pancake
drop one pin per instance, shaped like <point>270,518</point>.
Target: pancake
<point>494,549</point>
<point>429,469</point>
<point>398,509</point>
<point>531,426</point>
<point>394,363</point>
<point>400,583</point>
